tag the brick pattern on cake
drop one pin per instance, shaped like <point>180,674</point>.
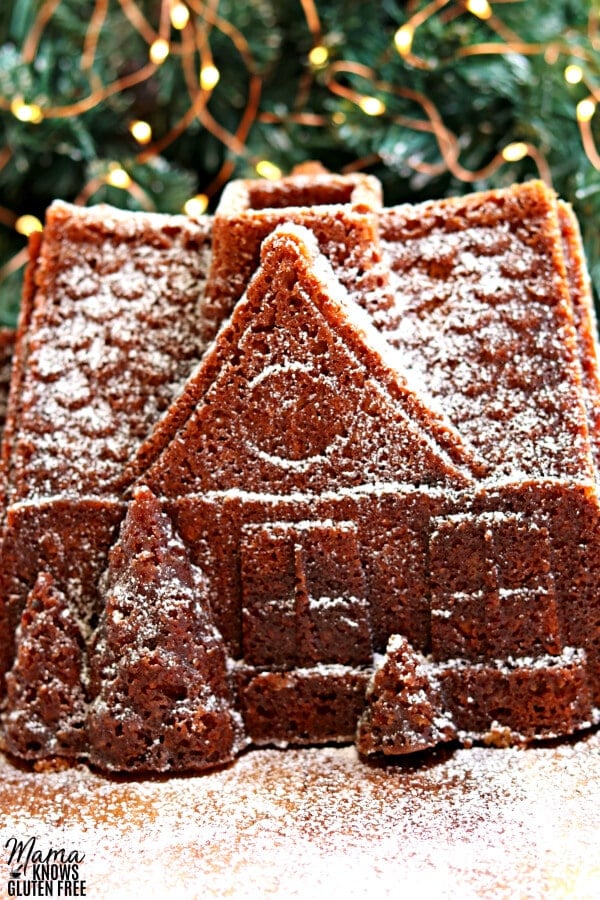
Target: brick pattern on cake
<point>382,471</point>
<point>312,705</point>
<point>304,595</point>
<point>485,571</point>
<point>506,703</point>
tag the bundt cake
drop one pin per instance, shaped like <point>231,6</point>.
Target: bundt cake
<point>309,470</point>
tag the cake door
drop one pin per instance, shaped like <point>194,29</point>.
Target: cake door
<point>306,634</point>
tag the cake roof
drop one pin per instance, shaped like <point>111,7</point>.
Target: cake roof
<point>585,321</point>
<point>110,331</point>
<point>485,318</point>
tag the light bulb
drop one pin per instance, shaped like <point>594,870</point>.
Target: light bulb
<point>267,169</point>
<point>209,77</point>
<point>27,224</point>
<point>141,131</point>
<point>372,106</point>
<point>403,39</point>
<point>196,206</point>
<point>159,50</point>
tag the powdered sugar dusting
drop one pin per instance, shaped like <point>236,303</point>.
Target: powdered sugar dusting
<point>483,325</point>
<point>482,320</point>
<point>93,389</point>
<point>477,822</point>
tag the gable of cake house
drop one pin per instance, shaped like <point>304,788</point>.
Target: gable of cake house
<point>300,414</point>
<point>300,394</point>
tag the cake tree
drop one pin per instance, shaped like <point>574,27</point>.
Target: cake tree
<point>158,664</point>
<point>45,706</point>
<point>404,709</point>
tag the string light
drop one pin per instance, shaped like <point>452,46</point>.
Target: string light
<point>141,131</point>
<point>159,50</point>
<point>372,106</point>
<point>480,8</point>
<point>318,56</point>
<point>403,39</point>
<point>209,77</point>
<point>118,177</point>
<point>573,74</point>
<point>179,15</point>
<point>27,224</point>
<point>26,112</point>
<point>585,110</point>
<point>515,151</point>
<point>196,206</point>
<point>267,169</point>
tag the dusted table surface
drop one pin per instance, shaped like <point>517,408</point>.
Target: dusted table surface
<point>321,823</point>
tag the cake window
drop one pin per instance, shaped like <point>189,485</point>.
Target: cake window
<point>484,570</point>
<point>304,597</point>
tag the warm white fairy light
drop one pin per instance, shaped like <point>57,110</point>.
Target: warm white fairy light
<point>179,15</point>
<point>479,8</point>
<point>372,106</point>
<point>267,169</point>
<point>586,109</point>
<point>209,77</point>
<point>403,39</point>
<point>118,177</point>
<point>26,112</point>
<point>515,151</point>
<point>573,74</point>
<point>27,224</point>
<point>318,56</point>
<point>141,131</point>
<point>196,206</point>
<point>159,50</point>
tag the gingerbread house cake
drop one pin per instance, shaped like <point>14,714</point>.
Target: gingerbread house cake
<point>309,470</point>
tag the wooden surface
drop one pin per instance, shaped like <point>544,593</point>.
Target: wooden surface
<point>320,823</point>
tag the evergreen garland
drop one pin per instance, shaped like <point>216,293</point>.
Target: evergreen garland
<point>306,109</point>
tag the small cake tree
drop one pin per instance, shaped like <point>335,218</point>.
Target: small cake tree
<point>45,707</point>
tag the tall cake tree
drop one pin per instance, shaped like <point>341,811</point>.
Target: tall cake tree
<point>158,664</point>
